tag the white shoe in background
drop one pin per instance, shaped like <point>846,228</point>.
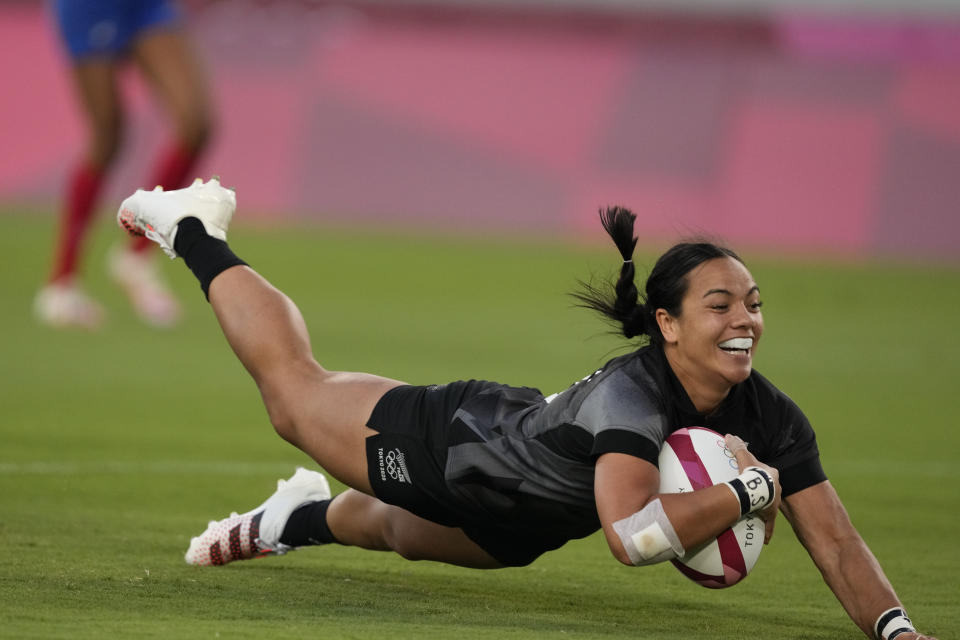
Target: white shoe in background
<point>138,276</point>
<point>66,305</point>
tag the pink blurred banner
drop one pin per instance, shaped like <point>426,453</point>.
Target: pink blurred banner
<point>794,132</point>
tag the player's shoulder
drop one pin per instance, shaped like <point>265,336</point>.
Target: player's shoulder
<point>624,373</point>
<point>771,399</point>
<point>784,436</point>
<point>624,392</point>
<point>618,375</point>
<point>763,387</point>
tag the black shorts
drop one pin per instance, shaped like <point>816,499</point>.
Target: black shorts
<point>406,461</point>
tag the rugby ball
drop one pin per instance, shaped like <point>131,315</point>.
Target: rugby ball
<point>695,458</point>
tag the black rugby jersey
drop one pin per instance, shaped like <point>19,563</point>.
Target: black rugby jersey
<point>516,455</point>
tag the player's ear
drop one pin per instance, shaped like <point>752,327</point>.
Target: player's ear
<point>668,326</point>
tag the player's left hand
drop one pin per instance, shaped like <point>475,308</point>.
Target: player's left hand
<point>746,459</point>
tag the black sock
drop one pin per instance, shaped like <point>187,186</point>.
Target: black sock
<point>308,526</point>
<point>205,255</point>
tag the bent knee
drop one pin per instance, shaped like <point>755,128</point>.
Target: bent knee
<point>402,541</point>
<point>289,397</point>
<point>194,129</point>
<point>283,423</point>
<point>287,417</point>
<point>104,142</point>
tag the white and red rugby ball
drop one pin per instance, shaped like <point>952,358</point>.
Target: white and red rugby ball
<point>695,458</point>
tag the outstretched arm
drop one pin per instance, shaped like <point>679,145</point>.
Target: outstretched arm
<point>847,564</point>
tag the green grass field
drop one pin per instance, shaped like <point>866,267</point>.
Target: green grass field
<point>118,446</point>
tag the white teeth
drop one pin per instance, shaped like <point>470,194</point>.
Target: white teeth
<point>737,343</point>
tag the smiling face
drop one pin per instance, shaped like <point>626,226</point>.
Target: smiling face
<point>710,344</point>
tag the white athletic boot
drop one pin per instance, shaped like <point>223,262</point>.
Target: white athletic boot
<point>66,305</point>
<point>156,213</point>
<point>138,276</point>
<point>257,533</point>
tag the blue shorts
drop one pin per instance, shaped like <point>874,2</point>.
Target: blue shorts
<point>107,28</point>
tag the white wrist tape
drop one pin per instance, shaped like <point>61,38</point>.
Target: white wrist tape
<point>753,488</point>
<point>648,536</point>
<point>892,623</point>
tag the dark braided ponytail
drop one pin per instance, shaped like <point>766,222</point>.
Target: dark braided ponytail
<point>666,285</point>
<point>624,309</point>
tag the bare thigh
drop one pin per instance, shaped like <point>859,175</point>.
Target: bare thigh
<point>168,62</point>
<point>331,412</point>
<point>323,413</point>
<point>361,520</point>
<point>96,84</point>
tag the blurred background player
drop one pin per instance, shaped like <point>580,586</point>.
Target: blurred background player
<point>100,36</point>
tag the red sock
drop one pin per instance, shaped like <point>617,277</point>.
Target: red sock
<point>171,172</point>
<point>82,191</point>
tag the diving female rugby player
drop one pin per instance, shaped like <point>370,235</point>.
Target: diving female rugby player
<point>483,475</point>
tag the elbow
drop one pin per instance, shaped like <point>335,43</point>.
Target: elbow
<point>615,545</point>
<point>637,558</point>
<point>624,557</point>
<point>621,556</point>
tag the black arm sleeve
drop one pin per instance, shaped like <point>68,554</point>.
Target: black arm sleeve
<point>800,476</point>
<point>796,454</point>
<point>623,441</point>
